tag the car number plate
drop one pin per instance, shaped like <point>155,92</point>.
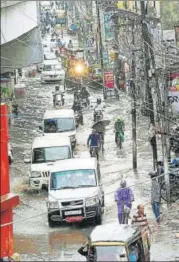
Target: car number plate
<point>74,212</point>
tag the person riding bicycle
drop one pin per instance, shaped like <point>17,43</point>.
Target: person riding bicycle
<point>98,107</point>
<point>119,127</point>
<point>93,141</point>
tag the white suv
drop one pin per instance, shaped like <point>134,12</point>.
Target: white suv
<point>45,151</point>
<point>75,192</point>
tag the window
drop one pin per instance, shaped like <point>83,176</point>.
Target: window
<point>58,125</point>
<point>50,154</point>
<point>111,253</point>
<point>73,179</point>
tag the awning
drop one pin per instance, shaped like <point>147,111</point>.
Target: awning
<point>22,52</point>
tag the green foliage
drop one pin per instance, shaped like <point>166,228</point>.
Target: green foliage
<point>169,14</point>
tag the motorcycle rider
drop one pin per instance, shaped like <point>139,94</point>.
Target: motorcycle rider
<point>58,92</point>
<point>94,141</point>
<point>77,107</point>
<point>85,94</point>
<point>98,107</point>
<point>119,127</point>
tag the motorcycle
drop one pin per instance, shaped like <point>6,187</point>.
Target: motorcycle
<point>79,118</point>
<point>98,115</point>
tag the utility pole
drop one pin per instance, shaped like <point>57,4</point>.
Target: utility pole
<point>100,43</point>
<point>134,120</point>
<point>147,42</point>
<point>165,129</point>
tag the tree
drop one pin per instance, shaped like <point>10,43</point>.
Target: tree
<point>169,14</point>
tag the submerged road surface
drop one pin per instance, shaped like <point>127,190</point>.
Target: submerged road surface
<point>34,240</point>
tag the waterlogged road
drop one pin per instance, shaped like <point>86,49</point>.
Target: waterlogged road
<point>34,240</point>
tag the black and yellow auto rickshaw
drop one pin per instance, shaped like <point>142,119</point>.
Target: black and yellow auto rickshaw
<point>115,242</point>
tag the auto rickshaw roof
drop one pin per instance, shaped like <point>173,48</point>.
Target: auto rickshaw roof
<point>114,232</point>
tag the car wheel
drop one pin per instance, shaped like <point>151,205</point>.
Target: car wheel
<point>50,222</point>
<point>98,218</point>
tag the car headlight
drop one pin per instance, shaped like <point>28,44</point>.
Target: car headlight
<point>35,174</point>
<point>72,137</point>
<point>91,201</point>
<point>53,204</point>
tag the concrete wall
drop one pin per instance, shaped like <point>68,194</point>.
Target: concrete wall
<point>18,19</point>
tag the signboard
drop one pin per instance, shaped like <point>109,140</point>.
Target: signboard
<point>109,79</point>
<point>108,26</point>
<point>173,94</point>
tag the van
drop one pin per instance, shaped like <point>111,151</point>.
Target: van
<point>75,192</point>
<point>52,71</point>
<point>45,151</point>
<point>61,122</point>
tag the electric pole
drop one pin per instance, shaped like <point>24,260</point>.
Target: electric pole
<point>147,42</point>
<point>134,120</point>
<point>100,42</point>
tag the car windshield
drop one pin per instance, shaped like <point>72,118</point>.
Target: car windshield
<point>73,179</point>
<point>50,154</point>
<point>47,68</point>
<point>110,253</point>
<point>51,67</point>
<point>59,125</point>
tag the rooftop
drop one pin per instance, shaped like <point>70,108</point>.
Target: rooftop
<point>113,232</point>
<point>50,141</point>
<point>74,164</point>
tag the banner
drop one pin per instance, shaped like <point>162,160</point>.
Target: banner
<point>108,26</point>
<point>109,79</point>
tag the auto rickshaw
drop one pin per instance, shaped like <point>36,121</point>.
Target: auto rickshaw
<point>115,242</point>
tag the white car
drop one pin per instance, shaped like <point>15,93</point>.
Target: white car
<point>52,71</point>
<point>60,122</point>
<point>45,151</point>
<point>75,191</point>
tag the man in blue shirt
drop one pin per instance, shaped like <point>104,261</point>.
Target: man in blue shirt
<point>93,141</point>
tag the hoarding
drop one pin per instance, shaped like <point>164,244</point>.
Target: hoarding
<point>109,79</point>
<point>173,94</point>
<point>108,25</point>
